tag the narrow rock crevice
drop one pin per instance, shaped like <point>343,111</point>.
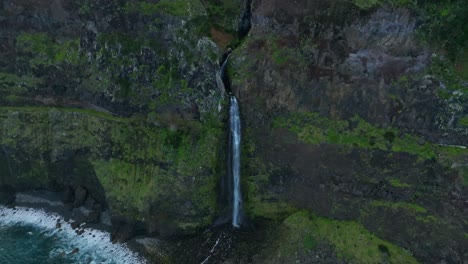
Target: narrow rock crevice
<point>243,30</point>
<point>245,23</point>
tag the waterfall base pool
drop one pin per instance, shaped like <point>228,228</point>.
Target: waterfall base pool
<point>29,236</point>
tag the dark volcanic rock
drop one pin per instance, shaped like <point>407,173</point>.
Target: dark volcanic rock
<point>80,196</point>
<point>68,194</point>
<point>7,195</point>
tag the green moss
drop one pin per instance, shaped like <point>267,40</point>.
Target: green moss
<point>400,205</point>
<point>464,174</point>
<point>144,169</point>
<point>455,157</point>
<point>430,219</point>
<point>282,54</point>
<point>18,85</point>
<point>395,182</point>
<point>462,65</point>
<point>351,240</point>
<point>34,174</point>
<point>444,26</point>
<point>463,122</point>
<point>45,51</point>
<point>45,110</point>
<point>181,8</point>
<point>315,129</point>
<point>259,201</point>
<point>129,187</point>
<point>267,207</point>
<point>366,4</point>
<point>223,14</point>
<point>453,86</point>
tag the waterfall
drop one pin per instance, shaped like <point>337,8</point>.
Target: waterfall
<point>234,161</point>
<point>232,187</point>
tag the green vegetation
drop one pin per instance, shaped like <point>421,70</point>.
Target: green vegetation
<point>452,84</point>
<point>315,129</point>
<point>461,66</point>
<point>397,183</point>
<point>400,205</point>
<point>351,240</point>
<point>138,164</point>
<point>464,172</point>
<point>44,110</point>
<point>463,121</point>
<point>455,157</point>
<point>445,25</point>
<point>137,67</point>
<point>260,203</point>
<point>282,53</point>
<point>45,51</point>
<point>180,8</point>
<point>367,4</point>
<point>223,14</point>
<point>17,85</point>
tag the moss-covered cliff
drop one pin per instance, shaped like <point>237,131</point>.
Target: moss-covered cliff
<point>121,98</point>
<point>354,122</point>
<point>150,170</point>
<point>348,113</point>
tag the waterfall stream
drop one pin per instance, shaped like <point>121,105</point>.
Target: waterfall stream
<point>232,185</point>
<point>234,166</point>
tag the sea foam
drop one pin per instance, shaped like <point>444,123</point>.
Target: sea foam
<point>94,246</point>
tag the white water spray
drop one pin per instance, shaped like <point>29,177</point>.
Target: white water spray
<point>94,245</point>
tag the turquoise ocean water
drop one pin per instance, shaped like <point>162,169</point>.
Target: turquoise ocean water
<point>33,237</point>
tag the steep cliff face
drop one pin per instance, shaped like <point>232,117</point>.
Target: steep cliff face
<point>119,98</point>
<point>345,110</point>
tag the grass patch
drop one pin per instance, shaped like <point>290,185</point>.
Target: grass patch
<point>179,8</point>
<point>351,240</point>
<point>400,205</point>
<point>35,109</point>
<point>223,14</point>
<point>463,122</point>
<point>17,85</point>
<point>452,84</point>
<point>138,164</point>
<point>315,129</point>
<point>444,26</point>
<point>46,51</point>
<point>367,4</point>
<point>397,183</point>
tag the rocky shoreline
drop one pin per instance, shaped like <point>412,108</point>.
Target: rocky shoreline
<point>81,221</point>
